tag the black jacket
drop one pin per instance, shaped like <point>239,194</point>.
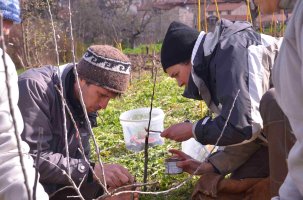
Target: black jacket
<point>232,64</point>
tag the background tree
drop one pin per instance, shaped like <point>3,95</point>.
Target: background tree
<point>122,18</point>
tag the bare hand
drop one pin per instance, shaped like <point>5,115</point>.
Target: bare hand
<point>115,175</point>
<point>178,132</point>
<point>190,165</point>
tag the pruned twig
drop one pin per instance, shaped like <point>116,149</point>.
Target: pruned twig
<point>81,150</point>
<point>225,124</point>
<point>147,134</point>
<point>60,82</point>
<point>64,174</point>
<point>81,96</point>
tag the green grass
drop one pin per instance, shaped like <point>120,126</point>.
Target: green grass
<point>20,70</point>
<point>142,49</point>
<point>110,136</point>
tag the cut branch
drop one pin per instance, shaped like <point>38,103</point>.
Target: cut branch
<point>147,135</point>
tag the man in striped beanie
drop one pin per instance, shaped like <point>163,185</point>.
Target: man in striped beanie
<point>104,73</point>
<point>106,67</point>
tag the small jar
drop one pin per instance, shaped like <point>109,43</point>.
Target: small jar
<point>171,166</point>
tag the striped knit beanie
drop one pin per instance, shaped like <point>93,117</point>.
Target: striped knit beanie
<point>10,10</point>
<point>105,66</point>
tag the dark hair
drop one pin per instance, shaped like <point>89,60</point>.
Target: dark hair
<point>89,82</point>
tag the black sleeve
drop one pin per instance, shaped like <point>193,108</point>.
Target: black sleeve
<point>231,78</point>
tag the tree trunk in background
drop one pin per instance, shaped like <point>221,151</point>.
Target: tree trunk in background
<point>36,57</point>
<point>28,58</point>
<point>25,52</point>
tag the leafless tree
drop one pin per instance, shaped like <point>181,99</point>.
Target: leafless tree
<point>123,18</point>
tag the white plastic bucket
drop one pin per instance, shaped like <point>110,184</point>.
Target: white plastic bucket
<point>134,122</point>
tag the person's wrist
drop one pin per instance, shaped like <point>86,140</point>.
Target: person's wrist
<point>207,168</point>
<point>211,167</point>
<point>191,127</point>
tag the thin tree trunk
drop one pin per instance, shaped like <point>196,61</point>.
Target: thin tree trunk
<point>24,52</point>
<point>36,57</point>
<point>28,58</point>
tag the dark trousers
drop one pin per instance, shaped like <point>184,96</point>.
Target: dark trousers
<point>277,130</point>
<point>280,139</point>
<point>257,159</point>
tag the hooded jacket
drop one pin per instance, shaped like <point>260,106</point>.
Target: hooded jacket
<point>41,108</point>
<point>231,71</point>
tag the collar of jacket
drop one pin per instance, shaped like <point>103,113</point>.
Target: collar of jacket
<point>64,73</point>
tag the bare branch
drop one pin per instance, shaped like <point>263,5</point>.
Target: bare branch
<point>60,82</point>
<point>74,186</point>
<point>225,124</point>
<point>63,100</point>
<point>81,96</point>
<point>80,139</point>
<point>147,135</point>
